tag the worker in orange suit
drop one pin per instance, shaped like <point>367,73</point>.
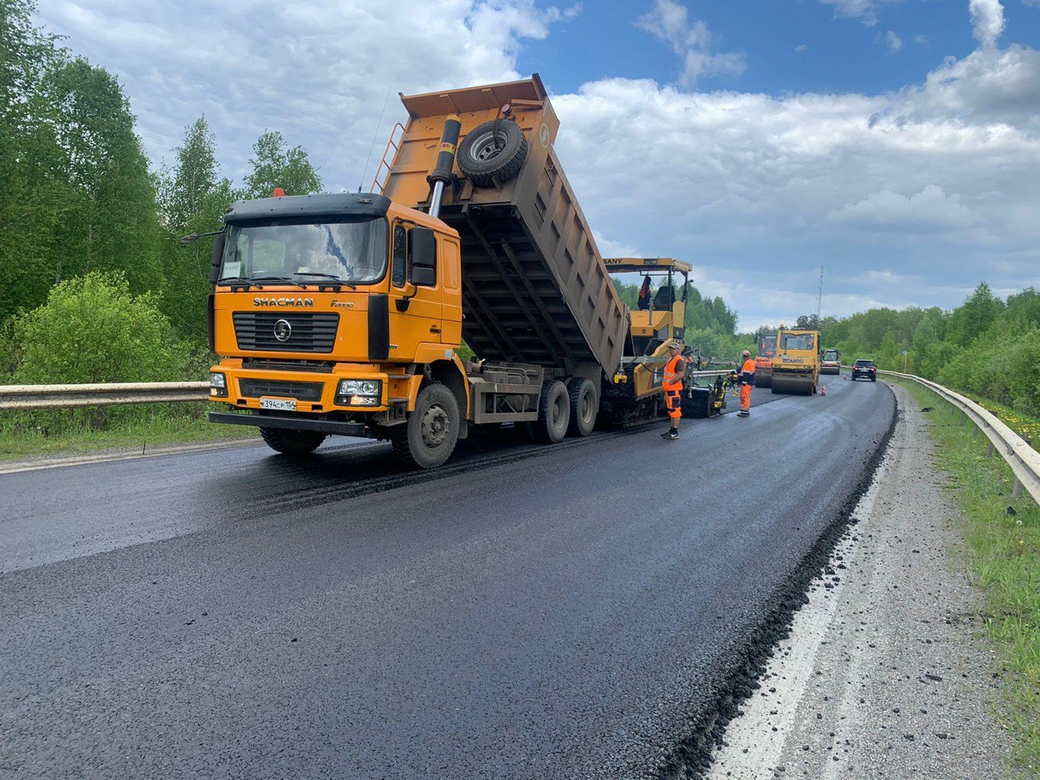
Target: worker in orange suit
<point>747,381</point>
<point>672,384</point>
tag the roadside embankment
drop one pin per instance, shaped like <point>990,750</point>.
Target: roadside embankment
<point>884,673</point>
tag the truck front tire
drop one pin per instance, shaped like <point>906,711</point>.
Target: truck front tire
<point>554,412</point>
<point>429,436</point>
<point>290,442</point>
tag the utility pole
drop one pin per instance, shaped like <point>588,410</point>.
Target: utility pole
<point>819,299</point>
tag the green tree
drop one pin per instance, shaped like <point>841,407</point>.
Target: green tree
<point>31,195</point>
<point>277,165</point>
<point>109,218</point>
<point>807,322</point>
<point>1023,309</point>
<point>193,199</point>
<point>975,316</point>
<point>182,194</point>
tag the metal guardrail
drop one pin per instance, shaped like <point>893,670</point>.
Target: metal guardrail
<point>111,394</point>
<point>1022,458</point>
<point>43,396</point>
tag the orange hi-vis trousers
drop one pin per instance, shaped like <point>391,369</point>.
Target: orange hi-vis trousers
<point>673,402</point>
<point>745,397</point>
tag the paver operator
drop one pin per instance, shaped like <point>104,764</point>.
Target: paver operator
<point>672,385</point>
<point>747,381</point>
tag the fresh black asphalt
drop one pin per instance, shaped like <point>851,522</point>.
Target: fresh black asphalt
<point>570,611</point>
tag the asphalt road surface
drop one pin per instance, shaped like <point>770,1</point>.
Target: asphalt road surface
<point>528,611</point>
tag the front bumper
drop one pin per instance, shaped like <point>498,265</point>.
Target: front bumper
<point>292,423</point>
<point>245,388</point>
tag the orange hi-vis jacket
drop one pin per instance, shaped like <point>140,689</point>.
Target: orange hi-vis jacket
<point>747,372</point>
<point>672,367</point>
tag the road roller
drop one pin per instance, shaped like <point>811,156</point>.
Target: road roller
<point>796,365</point>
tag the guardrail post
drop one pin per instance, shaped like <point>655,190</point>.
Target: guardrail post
<point>1016,491</point>
<point>989,450</point>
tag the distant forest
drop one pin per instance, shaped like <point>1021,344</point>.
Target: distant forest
<point>986,346</point>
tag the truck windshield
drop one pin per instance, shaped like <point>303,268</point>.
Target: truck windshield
<point>830,354</point>
<point>353,251</point>
<point>798,341</point>
<point>767,345</point>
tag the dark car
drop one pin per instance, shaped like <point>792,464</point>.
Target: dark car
<point>865,369</point>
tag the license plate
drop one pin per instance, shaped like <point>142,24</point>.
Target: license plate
<point>283,404</point>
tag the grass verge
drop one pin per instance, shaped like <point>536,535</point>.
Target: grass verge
<point>145,431</point>
<point>1003,541</point>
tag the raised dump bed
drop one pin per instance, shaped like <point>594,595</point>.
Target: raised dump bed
<point>535,289</point>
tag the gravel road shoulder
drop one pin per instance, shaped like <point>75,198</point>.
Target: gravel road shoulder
<point>883,675</point>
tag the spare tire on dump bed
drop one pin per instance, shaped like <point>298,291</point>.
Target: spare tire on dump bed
<point>493,152</point>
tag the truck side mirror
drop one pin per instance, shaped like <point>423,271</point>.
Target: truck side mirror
<point>423,252</point>
<point>217,257</point>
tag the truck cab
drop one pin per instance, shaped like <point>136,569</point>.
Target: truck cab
<point>325,307</point>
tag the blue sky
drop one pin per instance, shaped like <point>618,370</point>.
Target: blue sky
<point>842,54</point>
<point>894,142</point>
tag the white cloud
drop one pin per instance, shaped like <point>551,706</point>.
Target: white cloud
<point>866,11</point>
<point>610,248</point>
<point>921,40</point>
<point>988,88</point>
<point>893,41</point>
<point>320,72</point>
<point>758,190</point>
<point>691,41</point>
<point>801,48</point>
<point>929,210</point>
<point>987,20</point>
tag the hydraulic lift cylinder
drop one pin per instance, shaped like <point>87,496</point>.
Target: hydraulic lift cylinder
<point>441,174</point>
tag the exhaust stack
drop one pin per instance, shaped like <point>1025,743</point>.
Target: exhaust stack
<point>441,174</point>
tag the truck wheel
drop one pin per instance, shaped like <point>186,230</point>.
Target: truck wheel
<point>584,406</point>
<point>493,152</point>
<point>429,436</point>
<point>292,442</point>
<point>554,412</point>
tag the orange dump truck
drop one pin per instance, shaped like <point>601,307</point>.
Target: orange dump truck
<point>342,313</point>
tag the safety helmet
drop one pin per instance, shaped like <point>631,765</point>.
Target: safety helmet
<point>676,344</point>
<point>746,353</point>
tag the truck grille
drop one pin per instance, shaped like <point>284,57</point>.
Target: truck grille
<point>308,331</point>
<point>302,391</point>
<point>288,364</point>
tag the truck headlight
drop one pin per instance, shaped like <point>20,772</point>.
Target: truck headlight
<point>217,384</point>
<point>359,392</point>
